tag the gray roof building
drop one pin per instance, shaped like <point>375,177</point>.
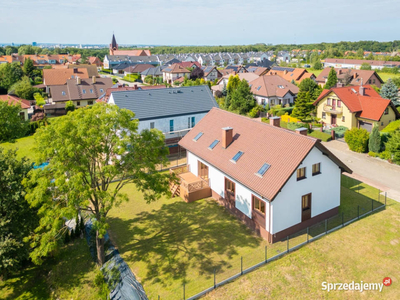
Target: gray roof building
<point>165,103</point>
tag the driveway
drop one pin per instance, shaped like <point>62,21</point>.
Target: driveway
<point>372,171</point>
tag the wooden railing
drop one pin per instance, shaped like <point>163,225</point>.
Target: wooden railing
<point>195,186</point>
<point>179,170</point>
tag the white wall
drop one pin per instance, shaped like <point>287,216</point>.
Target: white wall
<point>286,209</point>
<point>217,184</point>
<point>180,123</point>
<point>288,98</point>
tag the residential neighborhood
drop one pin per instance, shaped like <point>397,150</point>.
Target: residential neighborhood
<point>141,159</point>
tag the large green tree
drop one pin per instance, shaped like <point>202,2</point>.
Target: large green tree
<point>309,85</point>
<point>241,99</point>
<point>365,66</point>
<point>17,218</point>
<point>303,106</point>
<point>11,125</point>
<point>29,67</point>
<point>390,91</point>
<point>88,150</point>
<point>10,74</point>
<point>332,79</point>
<point>23,89</point>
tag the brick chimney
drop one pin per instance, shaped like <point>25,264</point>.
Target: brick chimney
<point>275,121</point>
<point>302,131</point>
<point>361,90</point>
<point>355,75</point>
<point>339,72</point>
<point>227,136</point>
<point>78,80</point>
<point>285,72</point>
<point>93,79</point>
<point>135,87</point>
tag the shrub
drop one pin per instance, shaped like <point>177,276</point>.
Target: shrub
<point>320,135</point>
<point>384,155</point>
<point>255,111</point>
<point>294,126</point>
<point>280,113</point>
<point>357,139</point>
<point>392,126</point>
<point>373,154</point>
<point>339,131</point>
<point>265,120</point>
<point>131,77</point>
<point>288,119</point>
<point>374,143</point>
<point>218,94</point>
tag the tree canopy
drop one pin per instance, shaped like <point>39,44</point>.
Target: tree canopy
<point>303,106</point>
<point>241,98</point>
<point>390,91</point>
<point>10,74</point>
<point>87,150</point>
<point>374,142</point>
<point>332,79</point>
<point>23,89</point>
<point>365,66</point>
<point>17,218</point>
<point>11,125</point>
<point>309,85</point>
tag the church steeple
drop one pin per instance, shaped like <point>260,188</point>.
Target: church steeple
<point>113,45</point>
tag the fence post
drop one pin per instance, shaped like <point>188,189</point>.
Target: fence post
<point>342,219</point>
<point>266,256</point>
<point>287,244</point>
<point>184,292</point>
<point>241,265</point>
<point>385,198</point>
<point>372,205</point>
<point>326,226</point>
<point>215,281</point>
<point>358,212</point>
<point>158,297</point>
<point>379,195</point>
<point>307,233</point>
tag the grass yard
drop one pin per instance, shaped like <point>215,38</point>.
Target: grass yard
<point>24,147</point>
<point>386,76</point>
<point>170,242</point>
<point>69,275</point>
<point>316,72</point>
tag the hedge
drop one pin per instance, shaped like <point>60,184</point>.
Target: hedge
<point>131,77</point>
<point>392,126</point>
<point>321,135</point>
<point>339,131</point>
<point>288,118</point>
<point>294,126</point>
<point>357,139</point>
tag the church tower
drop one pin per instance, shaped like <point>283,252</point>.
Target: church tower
<point>113,45</point>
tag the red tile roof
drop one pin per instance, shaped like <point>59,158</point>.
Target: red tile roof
<point>189,64</point>
<point>15,100</point>
<point>284,151</point>
<point>370,106</point>
<point>272,85</point>
<point>60,76</point>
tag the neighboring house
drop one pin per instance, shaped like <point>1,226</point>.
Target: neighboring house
<point>171,62</point>
<point>117,88</point>
<point>360,107</point>
<point>211,73</point>
<point>93,60</point>
<point>14,100</point>
<point>189,64</point>
<point>237,69</point>
<point>291,74</point>
<point>42,60</point>
<point>137,69</point>
<point>273,90</point>
<point>114,50</point>
<point>60,76</point>
<point>351,76</point>
<point>224,80</point>
<point>276,181</point>
<point>91,69</point>
<point>173,72</point>
<point>173,111</point>
<point>225,72</point>
<point>155,72</point>
<point>356,63</point>
<point>260,71</point>
<point>111,61</point>
<point>81,91</point>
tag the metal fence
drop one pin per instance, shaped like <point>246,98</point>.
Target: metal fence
<point>196,288</point>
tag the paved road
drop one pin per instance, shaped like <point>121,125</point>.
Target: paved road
<point>373,171</point>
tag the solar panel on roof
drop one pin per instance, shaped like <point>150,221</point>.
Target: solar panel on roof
<point>263,169</point>
<point>213,144</point>
<point>237,156</point>
<point>197,136</point>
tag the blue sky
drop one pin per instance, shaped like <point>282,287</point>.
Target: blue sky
<point>202,22</point>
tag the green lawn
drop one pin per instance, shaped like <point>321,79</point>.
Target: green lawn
<point>170,242</point>
<point>316,72</point>
<point>386,76</point>
<point>24,147</point>
<point>69,275</point>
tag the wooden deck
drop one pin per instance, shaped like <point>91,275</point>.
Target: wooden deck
<point>189,177</point>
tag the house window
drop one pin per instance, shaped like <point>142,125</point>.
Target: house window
<point>369,81</point>
<point>63,93</point>
<point>84,91</point>
<point>386,111</point>
<point>171,125</point>
<point>91,91</point>
<point>316,169</point>
<point>323,115</point>
<point>373,81</point>
<point>78,103</point>
<point>151,125</point>
<point>90,102</point>
<point>258,205</point>
<point>193,121</point>
<point>101,90</point>
<point>339,103</point>
<point>329,101</point>
<point>306,202</point>
<point>301,173</point>
<point>229,186</point>
<point>343,119</point>
<point>381,123</point>
<point>262,101</point>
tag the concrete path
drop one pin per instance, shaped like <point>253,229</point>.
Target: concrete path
<point>373,171</point>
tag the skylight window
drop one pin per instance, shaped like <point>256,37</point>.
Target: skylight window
<point>197,136</point>
<point>281,86</point>
<point>259,88</point>
<point>237,156</point>
<point>213,144</point>
<point>263,169</point>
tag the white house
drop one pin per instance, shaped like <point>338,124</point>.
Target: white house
<point>275,180</point>
<point>173,111</point>
<point>173,72</point>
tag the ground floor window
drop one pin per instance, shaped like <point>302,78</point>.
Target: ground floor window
<point>229,186</point>
<point>258,204</point>
<point>323,115</point>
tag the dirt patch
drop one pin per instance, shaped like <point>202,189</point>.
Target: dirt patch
<point>394,242</point>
